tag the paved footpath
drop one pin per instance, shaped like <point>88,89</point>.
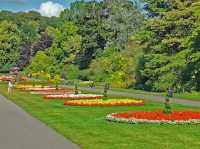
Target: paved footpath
<point>141,96</point>
<point>18,130</point>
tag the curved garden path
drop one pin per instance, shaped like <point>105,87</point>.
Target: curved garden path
<point>154,98</point>
<point>18,130</point>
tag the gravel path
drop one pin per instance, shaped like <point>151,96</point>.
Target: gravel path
<point>18,130</point>
<point>141,96</point>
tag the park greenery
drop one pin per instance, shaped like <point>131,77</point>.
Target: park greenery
<point>87,127</point>
<point>113,41</point>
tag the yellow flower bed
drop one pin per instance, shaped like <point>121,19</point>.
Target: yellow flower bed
<point>101,102</point>
<point>29,86</point>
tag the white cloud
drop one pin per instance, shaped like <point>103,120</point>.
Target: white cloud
<point>50,9</point>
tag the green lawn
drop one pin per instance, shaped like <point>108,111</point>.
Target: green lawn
<point>87,127</point>
<point>188,96</point>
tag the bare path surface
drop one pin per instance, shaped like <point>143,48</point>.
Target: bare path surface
<point>154,98</point>
<point>18,130</point>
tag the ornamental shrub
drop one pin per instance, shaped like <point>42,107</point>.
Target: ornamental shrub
<point>167,108</point>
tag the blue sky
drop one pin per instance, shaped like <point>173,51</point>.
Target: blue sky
<point>45,7</point>
<point>24,5</point>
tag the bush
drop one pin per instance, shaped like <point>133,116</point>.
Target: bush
<point>71,72</point>
<point>164,82</point>
<point>85,75</point>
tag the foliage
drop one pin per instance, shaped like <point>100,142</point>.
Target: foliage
<point>57,80</point>
<point>71,72</point>
<point>118,68</point>
<point>84,32</point>
<point>30,28</point>
<point>102,25</point>
<point>169,43</point>
<point>64,47</point>
<point>40,65</point>
<point>66,44</point>
<point>167,108</point>
<point>9,45</point>
<point>76,89</point>
<point>109,41</point>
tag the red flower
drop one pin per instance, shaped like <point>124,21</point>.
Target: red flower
<point>185,115</point>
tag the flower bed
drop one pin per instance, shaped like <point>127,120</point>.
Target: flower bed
<point>185,117</point>
<point>7,78</point>
<point>36,82</point>
<point>44,90</point>
<point>53,92</point>
<point>50,89</point>
<point>23,87</point>
<point>100,102</point>
<point>74,97</point>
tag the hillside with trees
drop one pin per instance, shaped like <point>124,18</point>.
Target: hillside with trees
<point>113,41</point>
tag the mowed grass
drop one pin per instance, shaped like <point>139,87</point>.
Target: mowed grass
<point>86,126</point>
<point>190,96</point>
<point>194,95</point>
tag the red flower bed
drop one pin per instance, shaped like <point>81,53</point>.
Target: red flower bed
<point>60,90</point>
<point>49,89</point>
<point>72,97</point>
<point>186,115</point>
<point>156,117</point>
<point>53,92</point>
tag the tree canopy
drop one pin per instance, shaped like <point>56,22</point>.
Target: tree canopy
<point>113,41</point>
<point>167,55</point>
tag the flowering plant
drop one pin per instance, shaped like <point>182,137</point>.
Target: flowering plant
<point>100,102</point>
<point>7,78</point>
<point>23,87</point>
<point>50,89</point>
<point>52,92</point>
<point>74,96</point>
<point>185,117</point>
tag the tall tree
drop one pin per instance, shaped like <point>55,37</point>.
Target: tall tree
<point>10,40</point>
<point>102,25</point>
<point>66,44</point>
<point>167,49</point>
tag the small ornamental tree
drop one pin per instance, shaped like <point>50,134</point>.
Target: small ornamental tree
<point>76,89</point>
<point>106,88</point>
<point>57,79</point>
<point>167,108</point>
